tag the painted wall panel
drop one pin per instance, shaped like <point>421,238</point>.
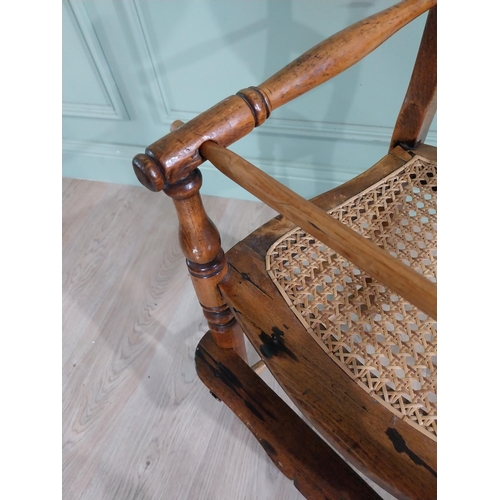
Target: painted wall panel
<point>88,87</point>
<point>81,81</point>
<point>165,60</point>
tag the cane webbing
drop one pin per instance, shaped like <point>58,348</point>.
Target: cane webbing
<point>386,344</point>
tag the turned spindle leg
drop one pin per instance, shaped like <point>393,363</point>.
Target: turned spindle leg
<point>206,261</point>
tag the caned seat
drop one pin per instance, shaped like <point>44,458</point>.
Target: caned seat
<point>384,342</point>
<point>337,295</point>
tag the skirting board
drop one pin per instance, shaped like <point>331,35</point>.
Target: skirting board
<point>106,162</point>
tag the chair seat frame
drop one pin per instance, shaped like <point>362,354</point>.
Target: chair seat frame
<point>238,298</point>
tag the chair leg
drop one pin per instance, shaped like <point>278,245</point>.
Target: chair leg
<point>316,470</point>
<point>206,261</point>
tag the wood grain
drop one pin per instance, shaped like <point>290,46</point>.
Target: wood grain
<point>420,103</point>
<point>201,245</point>
<point>385,448</point>
<point>262,238</point>
<point>175,155</point>
<point>317,471</point>
<point>400,278</point>
<point>339,52</point>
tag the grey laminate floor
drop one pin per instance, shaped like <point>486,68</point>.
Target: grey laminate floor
<point>137,422</point>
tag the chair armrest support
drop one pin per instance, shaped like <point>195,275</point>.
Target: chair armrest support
<point>369,257</point>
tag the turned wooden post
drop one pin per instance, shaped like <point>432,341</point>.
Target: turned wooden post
<point>170,164</point>
<point>206,261</point>
<point>200,243</point>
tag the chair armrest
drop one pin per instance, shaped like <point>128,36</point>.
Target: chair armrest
<point>362,252</point>
<point>174,156</point>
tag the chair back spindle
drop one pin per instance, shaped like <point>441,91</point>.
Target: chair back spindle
<point>419,105</point>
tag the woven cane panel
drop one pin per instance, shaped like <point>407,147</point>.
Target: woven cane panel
<point>385,343</point>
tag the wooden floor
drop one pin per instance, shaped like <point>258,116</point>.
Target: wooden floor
<point>137,422</point>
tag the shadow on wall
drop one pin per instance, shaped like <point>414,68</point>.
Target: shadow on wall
<point>173,60</point>
<point>296,37</point>
<point>286,37</point>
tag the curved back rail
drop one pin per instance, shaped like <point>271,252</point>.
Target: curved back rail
<point>173,157</point>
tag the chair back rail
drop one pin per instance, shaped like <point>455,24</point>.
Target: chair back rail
<point>419,105</point>
<point>174,156</point>
<point>370,258</point>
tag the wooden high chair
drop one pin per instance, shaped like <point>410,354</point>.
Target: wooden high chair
<point>338,294</point>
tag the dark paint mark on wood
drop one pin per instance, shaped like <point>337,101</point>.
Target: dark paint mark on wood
<point>223,373</point>
<point>267,351</point>
<point>246,277</point>
<point>214,395</point>
<point>254,410</point>
<point>400,446</point>
<point>274,344</point>
<point>277,331</point>
<point>220,371</point>
<point>267,447</point>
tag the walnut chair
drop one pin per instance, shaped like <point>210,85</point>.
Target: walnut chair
<point>337,294</point>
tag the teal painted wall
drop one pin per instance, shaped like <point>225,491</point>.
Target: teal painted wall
<point>132,67</point>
